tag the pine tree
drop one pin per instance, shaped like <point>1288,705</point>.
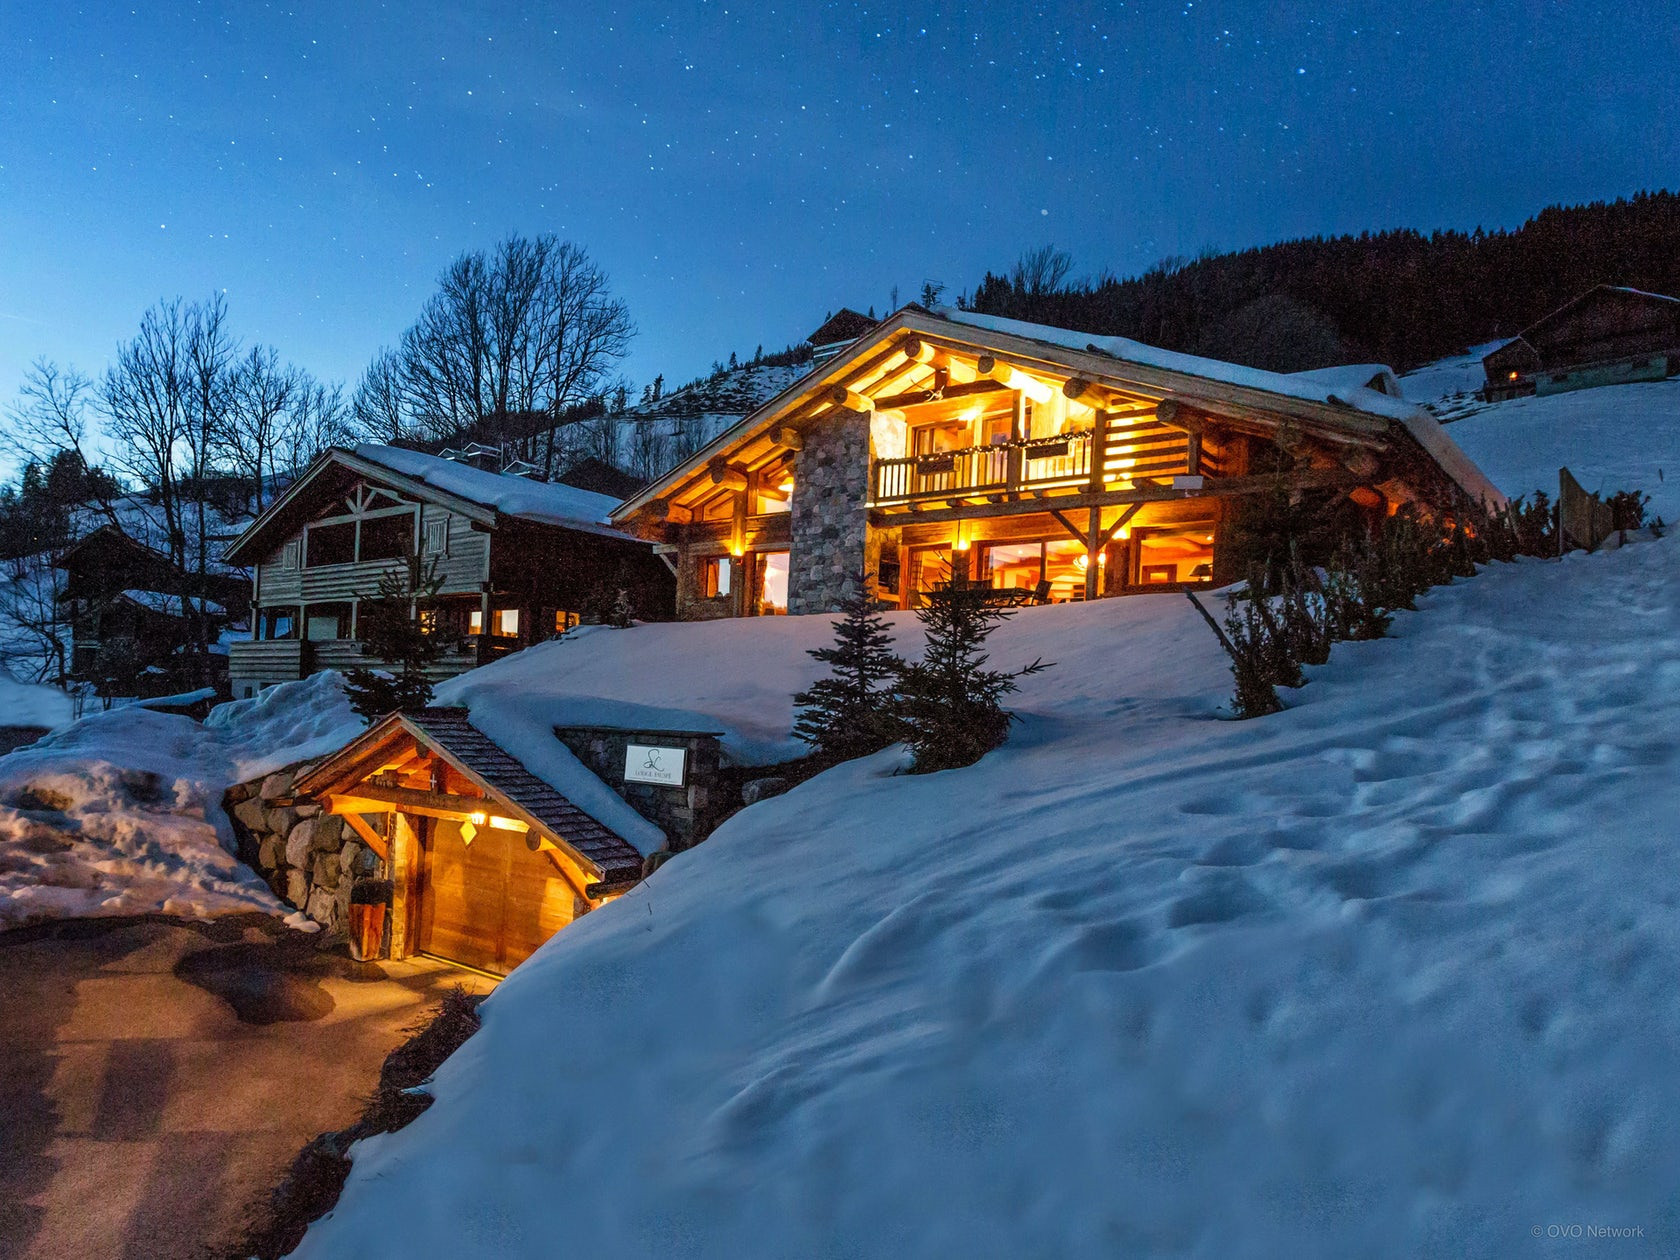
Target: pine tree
<point>390,632</point>
<point>950,703</point>
<point>853,712</point>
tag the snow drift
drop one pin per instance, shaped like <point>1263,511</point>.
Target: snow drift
<point>120,813</point>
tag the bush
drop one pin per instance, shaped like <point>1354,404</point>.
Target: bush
<point>1290,613</point>
<point>854,711</point>
<point>951,705</point>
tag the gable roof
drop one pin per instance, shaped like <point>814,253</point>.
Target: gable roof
<point>499,775</point>
<point>1333,407</point>
<point>485,497</point>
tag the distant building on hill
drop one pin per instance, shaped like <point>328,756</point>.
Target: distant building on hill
<point>1607,336</point>
<point>838,331</point>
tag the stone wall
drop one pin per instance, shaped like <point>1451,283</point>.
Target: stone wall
<point>311,860</point>
<point>686,814</point>
<point>830,519</point>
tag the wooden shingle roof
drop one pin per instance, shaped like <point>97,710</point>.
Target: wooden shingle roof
<point>499,771</point>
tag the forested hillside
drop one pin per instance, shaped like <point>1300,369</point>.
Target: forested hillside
<point>1401,297</point>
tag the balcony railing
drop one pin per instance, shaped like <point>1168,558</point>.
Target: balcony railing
<point>1144,450</point>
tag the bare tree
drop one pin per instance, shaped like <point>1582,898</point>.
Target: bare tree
<point>585,333</point>
<point>166,398</point>
<point>260,393</point>
<point>378,411</point>
<point>279,417</point>
<point>316,419</point>
<point>1040,271</point>
<point>35,635</point>
<point>145,398</point>
<point>51,416</point>
<point>510,345</point>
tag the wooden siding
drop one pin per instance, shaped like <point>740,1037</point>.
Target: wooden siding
<point>463,567</point>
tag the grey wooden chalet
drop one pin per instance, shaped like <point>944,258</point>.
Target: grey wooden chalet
<point>518,560</point>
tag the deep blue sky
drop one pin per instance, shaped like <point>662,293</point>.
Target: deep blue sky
<point>739,169</point>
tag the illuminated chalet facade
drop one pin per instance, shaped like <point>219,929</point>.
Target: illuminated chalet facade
<point>1049,464</point>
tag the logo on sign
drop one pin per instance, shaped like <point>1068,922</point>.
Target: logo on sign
<point>648,763</point>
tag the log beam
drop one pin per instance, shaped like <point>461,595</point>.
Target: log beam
<point>369,836</point>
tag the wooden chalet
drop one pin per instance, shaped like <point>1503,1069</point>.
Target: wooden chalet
<point>1608,336</point>
<point>1046,463</point>
<point>519,561</point>
<point>141,626</point>
<point>486,861</point>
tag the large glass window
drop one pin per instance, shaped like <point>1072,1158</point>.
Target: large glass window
<point>1053,568</point>
<point>714,576</point>
<point>775,490</point>
<point>330,544</point>
<point>387,537</point>
<point>929,567</point>
<point>278,623</point>
<point>770,583</point>
<point>1168,557</point>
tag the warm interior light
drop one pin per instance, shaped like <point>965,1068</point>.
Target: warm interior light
<point>1513,376</point>
<point>963,544</point>
<point>787,486</point>
<point>1083,562</point>
<point>737,551</point>
<point>505,824</point>
<point>476,818</point>
<point>1125,532</point>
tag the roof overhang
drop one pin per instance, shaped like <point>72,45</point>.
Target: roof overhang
<point>342,772</point>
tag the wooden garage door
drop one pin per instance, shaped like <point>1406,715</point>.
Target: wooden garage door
<point>490,903</point>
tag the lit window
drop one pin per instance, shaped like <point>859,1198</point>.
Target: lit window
<point>770,582</point>
<point>715,576</point>
<point>563,620</point>
<point>506,623</point>
<point>475,621</point>
<point>428,621</point>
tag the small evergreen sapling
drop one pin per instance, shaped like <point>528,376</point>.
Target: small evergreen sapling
<point>853,712</point>
<point>950,703</point>
<point>391,632</point>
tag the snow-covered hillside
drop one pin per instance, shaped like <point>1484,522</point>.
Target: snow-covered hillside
<point>1389,973</point>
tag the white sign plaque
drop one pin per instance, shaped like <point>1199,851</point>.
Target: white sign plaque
<point>645,763</point>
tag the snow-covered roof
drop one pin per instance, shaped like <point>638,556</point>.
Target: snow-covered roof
<point>1298,386</point>
<point>1377,376</point>
<point>1325,386</point>
<point>547,502</point>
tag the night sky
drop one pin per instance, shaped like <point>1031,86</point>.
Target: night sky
<point>740,169</point>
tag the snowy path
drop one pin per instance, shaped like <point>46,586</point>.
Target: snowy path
<point>1389,973</point>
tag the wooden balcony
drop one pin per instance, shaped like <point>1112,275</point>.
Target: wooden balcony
<point>283,660</point>
<point>1116,458</point>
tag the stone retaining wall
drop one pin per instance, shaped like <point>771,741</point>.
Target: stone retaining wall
<point>685,814</point>
<point>311,860</point>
